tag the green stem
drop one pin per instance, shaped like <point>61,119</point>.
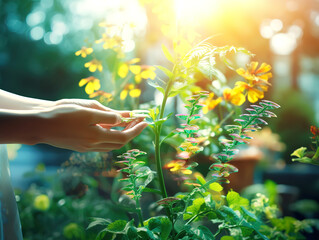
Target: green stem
<point>159,162</point>
<point>316,154</point>
<point>139,212</point>
<point>157,142</point>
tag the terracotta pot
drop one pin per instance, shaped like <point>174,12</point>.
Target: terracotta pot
<point>245,161</point>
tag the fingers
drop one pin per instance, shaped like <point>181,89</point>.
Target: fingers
<point>102,117</point>
<point>123,124</point>
<point>122,137</point>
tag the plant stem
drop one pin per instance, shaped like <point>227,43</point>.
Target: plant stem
<point>316,154</point>
<point>157,142</point>
<point>159,162</point>
<point>139,212</point>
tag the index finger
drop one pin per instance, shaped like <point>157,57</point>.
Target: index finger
<point>100,117</point>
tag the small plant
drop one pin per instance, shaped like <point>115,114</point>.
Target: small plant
<point>305,156</point>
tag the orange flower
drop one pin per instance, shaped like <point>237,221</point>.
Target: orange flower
<point>254,75</point>
<point>178,166</point>
<point>210,103</point>
<point>84,52</point>
<point>257,80</point>
<point>92,84</point>
<point>103,95</point>
<point>315,131</point>
<point>253,94</point>
<point>235,96</point>
<point>94,65</point>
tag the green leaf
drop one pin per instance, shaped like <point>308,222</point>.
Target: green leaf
<point>203,233</point>
<point>250,214</point>
<point>216,187</point>
<point>299,153</point>
<point>99,221</point>
<point>154,84</point>
<point>151,190</point>
<point>235,201</point>
<point>167,54</point>
<point>171,134</point>
<point>132,233</point>
<point>145,233</point>
<point>161,225</point>
<point>117,227</point>
<point>306,160</point>
<point>194,209</point>
<point>227,238</point>
<point>166,71</point>
<point>102,235</point>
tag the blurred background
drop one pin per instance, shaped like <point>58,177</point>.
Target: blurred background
<point>38,40</point>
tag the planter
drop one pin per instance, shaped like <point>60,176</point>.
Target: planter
<point>245,161</point>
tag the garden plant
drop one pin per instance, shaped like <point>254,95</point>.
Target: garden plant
<point>209,104</point>
<point>212,116</point>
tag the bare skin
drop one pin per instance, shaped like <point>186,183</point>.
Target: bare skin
<point>75,124</point>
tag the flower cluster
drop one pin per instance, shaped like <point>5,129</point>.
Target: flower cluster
<point>256,81</point>
<point>126,75</point>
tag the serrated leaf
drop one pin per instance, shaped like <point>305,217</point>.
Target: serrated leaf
<point>259,121</point>
<point>182,116</point>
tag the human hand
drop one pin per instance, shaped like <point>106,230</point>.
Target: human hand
<point>86,125</point>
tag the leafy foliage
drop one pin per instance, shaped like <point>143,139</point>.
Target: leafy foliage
<point>311,157</point>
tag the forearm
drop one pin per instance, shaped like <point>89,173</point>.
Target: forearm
<point>20,126</point>
<point>17,102</point>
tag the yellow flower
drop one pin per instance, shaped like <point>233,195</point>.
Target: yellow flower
<point>84,52</point>
<point>147,72</point>
<point>253,94</point>
<point>93,65</point>
<point>178,166</point>
<point>110,42</point>
<point>131,90</point>
<point>210,103</point>
<point>235,96</point>
<point>189,147</point>
<point>254,75</point>
<point>125,67</point>
<point>41,202</point>
<point>140,72</point>
<point>92,84</point>
<point>257,80</point>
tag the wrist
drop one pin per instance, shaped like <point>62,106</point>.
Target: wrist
<point>21,126</point>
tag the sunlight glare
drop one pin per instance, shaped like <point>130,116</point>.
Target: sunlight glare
<point>283,44</point>
<point>188,11</point>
